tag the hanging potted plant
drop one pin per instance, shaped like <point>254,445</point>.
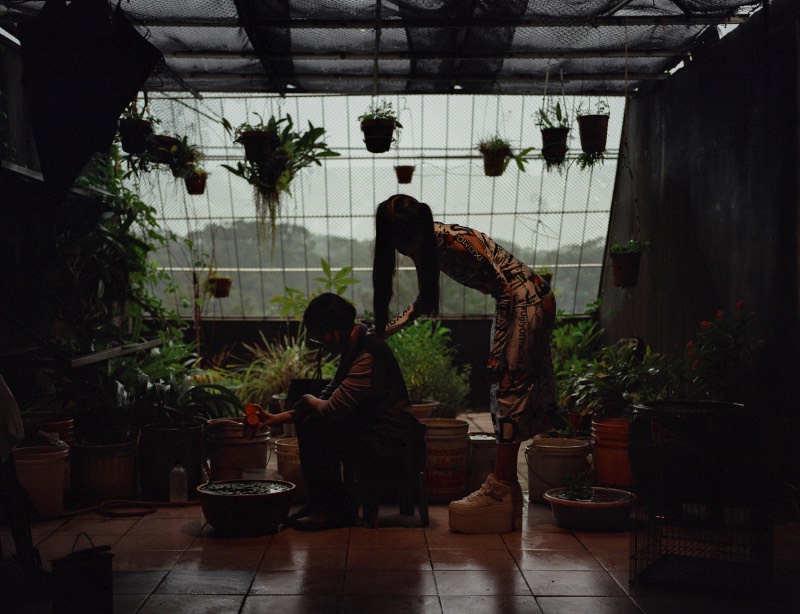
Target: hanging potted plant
<point>271,175</point>
<point>183,157</point>
<point>593,131</point>
<point>554,124</point>
<point>135,128</point>
<point>259,139</point>
<point>196,180</point>
<point>378,125</point>
<point>404,173</point>
<point>219,286</point>
<point>625,259</point>
<point>497,153</point>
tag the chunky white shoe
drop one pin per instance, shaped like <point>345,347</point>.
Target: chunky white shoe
<point>493,508</point>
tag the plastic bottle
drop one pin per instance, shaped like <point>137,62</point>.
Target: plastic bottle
<point>178,484</point>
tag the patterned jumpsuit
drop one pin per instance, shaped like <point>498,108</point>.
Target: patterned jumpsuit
<point>519,368</point>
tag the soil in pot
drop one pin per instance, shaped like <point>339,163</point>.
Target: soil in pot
<point>245,508</point>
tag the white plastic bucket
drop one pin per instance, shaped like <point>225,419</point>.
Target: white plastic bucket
<point>482,457</point>
<point>447,440</point>
<point>551,461</point>
<point>287,451</point>
<point>41,471</point>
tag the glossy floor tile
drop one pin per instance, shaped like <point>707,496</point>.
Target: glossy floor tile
<point>172,561</point>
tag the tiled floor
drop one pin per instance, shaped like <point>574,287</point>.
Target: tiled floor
<point>170,561</point>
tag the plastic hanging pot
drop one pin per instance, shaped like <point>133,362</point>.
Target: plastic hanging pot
<point>554,145</point>
<point>593,130</point>
<point>378,134</point>
<point>133,134</point>
<point>625,269</point>
<point>259,145</point>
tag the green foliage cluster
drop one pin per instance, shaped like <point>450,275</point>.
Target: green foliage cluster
<point>497,143</point>
<point>426,357</point>
<point>632,246</point>
<point>552,114</point>
<point>380,109</point>
<point>293,303</point>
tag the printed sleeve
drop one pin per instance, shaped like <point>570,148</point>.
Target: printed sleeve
<point>408,315</point>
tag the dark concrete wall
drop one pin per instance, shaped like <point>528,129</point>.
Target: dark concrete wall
<point>713,182</point>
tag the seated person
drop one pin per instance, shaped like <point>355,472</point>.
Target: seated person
<point>363,417</point>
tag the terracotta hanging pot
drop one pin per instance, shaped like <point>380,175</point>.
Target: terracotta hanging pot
<point>593,130</point>
<point>554,145</point>
<point>494,161</point>
<point>133,134</point>
<point>378,134</point>
<point>196,182</point>
<point>404,173</point>
<point>625,269</point>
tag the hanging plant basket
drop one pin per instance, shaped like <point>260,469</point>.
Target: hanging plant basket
<point>196,182</point>
<point>162,148</point>
<point>494,161</point>
<point>625,268</point>
<point>404,173</point>
<point>259,145</point>
<point>133,134</point>
<point>593,130</point>
<point>554,145</point>
<point>220,287</point>
<point>378,134</point>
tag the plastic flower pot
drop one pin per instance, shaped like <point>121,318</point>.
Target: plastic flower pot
<point>607,509</point>
<point>593,130</point>
<point>378,134</point>
<point>245,508</point>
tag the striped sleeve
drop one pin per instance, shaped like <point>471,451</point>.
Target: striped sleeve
<point>354,388</point>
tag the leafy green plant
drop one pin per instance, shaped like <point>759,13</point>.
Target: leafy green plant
<point>272,176</point>
<point>600,106</point>
<point>552,114</point>
<point>617,377</point>
<point>179,399</point>
<point>426,357</point>
<point>498,144</point>
<point>270,366</point>
<point>586,160</point>
<point>632,246</point>
<point>380,109</point>
<point>294,302</point>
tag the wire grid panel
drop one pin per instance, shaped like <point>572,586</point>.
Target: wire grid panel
<point>553,219</point>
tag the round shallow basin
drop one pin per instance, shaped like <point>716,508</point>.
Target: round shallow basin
<point>246,508</point>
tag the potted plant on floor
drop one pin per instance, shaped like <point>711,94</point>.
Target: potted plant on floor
<point>625,258</point>
<point>497,153</point>
<point>271,170</point>
<point>378,124</point>
<point>554,124</point>
<point>436,385</point>
<point>593,131</point>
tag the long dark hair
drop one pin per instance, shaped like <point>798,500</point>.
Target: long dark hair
<point>400,219</point>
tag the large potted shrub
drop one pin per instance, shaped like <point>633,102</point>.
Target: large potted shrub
<point>426,357</point>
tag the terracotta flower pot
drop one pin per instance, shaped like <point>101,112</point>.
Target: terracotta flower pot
<point>220,287</point>
<point>494,161</point>
<point>196,182</point>
<point>404,173</point>
<point>378,134</point>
